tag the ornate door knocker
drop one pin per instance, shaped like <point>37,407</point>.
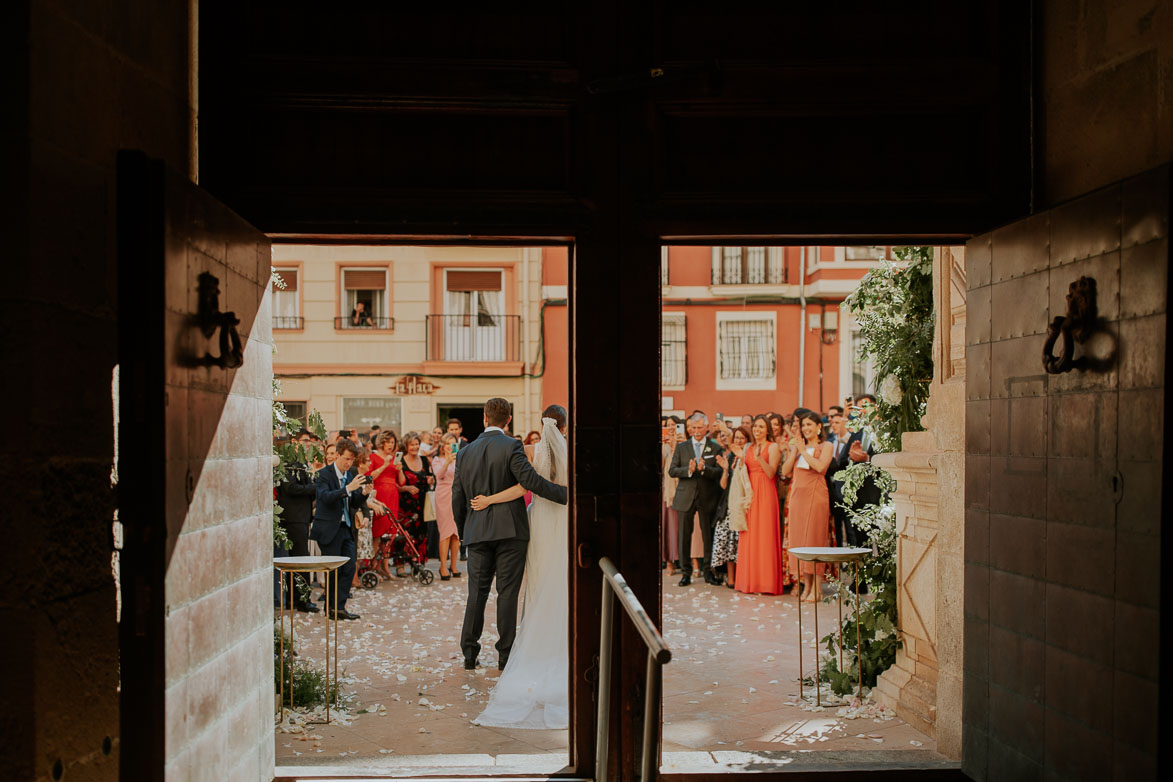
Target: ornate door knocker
<point>1076,326</point>
<point>212,319</point>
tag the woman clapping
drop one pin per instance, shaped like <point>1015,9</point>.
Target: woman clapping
<point>807,458</point>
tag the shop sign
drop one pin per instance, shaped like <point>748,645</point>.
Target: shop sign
<point>414,385</point>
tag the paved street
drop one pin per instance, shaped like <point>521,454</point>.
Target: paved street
<point>730,689</point>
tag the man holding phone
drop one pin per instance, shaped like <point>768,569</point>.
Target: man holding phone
<point>340,492</point>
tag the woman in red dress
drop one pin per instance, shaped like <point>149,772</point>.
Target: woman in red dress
<point>810,504</point>
<point>387,479</point>
<point>759,552</point>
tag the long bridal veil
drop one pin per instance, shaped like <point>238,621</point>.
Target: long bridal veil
<point>532,691</point>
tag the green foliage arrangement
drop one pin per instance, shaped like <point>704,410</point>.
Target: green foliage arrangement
<point>287,454</point>
<point>308,684</point>
<point>894,309</point>
<point>878,640</point>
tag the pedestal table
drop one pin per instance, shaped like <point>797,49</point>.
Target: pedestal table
<point>327,566</point>
<point>838,555</point>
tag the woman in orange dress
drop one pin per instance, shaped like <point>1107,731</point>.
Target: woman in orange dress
<point>810,504</point>
<point>759,552</point>
<point>781,433</point>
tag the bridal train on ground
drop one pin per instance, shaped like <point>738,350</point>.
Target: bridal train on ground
<point>533,689</point>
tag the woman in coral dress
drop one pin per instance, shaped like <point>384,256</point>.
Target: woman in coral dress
<point>810,504</point>
<point>759,551</point>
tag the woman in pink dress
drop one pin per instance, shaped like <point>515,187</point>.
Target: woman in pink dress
<point>444,468</point>
<point>759,552</point>
<point>810,504</point>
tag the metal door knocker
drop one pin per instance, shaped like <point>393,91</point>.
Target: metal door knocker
<point>1077,325</point>
<point>212,319</point>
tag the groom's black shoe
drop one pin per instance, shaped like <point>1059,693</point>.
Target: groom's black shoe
<point>712,579</point>
<point>684,580</point>
<point>470,665</point>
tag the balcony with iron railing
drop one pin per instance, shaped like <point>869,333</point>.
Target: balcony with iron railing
<point>288,322</point>
<point>474,344</point>
<point>366,323</point>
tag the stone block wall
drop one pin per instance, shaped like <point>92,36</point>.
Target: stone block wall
<point>1106,97</point>
<point>219,587</point>
<point>924,685</point>
<point>1064,493</point>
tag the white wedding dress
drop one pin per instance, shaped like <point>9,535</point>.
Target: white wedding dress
<point>532,690</point>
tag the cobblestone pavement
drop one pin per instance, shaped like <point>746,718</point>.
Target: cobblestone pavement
<point>731,687</point>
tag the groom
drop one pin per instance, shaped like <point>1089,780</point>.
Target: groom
<point>497,536</point>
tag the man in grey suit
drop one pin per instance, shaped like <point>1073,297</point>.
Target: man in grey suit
<point>694,464</point>
<point>497,536</point>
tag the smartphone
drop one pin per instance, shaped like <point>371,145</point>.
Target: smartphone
<point>680,428</point>
<point>398,455</point>
<point>367,479</point>
<point>455,447</point>
<point>720,416</point>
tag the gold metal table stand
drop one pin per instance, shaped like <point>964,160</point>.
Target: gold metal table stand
<point>833,555</point>
<point>328,566</point>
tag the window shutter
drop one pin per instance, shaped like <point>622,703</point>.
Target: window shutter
<point>365,280</point>
<point>474,281</point>
<point>289,277</point>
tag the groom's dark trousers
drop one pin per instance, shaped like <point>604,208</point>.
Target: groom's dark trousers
<point>505,558</point>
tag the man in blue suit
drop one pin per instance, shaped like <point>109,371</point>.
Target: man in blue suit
<point>339,495</point>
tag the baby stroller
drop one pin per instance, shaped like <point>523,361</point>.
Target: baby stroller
<point>395,546</point>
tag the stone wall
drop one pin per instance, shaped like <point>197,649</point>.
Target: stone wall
<point>1106,97</point>
<point>1064,482</point>
<point>219,586</point>
<point>924,686</point>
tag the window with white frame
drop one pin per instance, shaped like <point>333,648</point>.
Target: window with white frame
<point>286,301</point>
<point>673,350</point>
<point>869,253</point>
<point>367,287</point>
<point>746,348</point>
<point>747,266</point>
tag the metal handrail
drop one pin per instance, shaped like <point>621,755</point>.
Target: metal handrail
<point>659,655</point>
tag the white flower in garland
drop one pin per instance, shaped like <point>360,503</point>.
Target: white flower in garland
<point>890,390</point>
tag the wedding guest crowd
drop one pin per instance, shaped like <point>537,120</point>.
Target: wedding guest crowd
<point>739,493</point>
<point>348,504</point>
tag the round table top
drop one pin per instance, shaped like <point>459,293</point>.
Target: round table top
<point>829,553</point>
<point>308,564</point>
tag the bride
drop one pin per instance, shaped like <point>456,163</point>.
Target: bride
<point>532,690</point>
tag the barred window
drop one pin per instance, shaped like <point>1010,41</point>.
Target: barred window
<point>746,349</point>
<point>673,350</point>
<point>747,265</point>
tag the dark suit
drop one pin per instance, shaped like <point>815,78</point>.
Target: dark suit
<point>696,495</point>
<point>296,495</point>
<point>868,494</point>
<point>496,536</point>
<point>332,533</point>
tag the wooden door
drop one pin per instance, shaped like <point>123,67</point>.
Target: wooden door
<point>191,391</point>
